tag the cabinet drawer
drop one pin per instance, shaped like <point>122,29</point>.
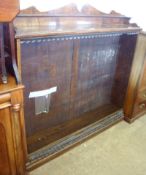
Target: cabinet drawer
<point>140,107</point>
<point>142,84</point>
<point>142,95</point>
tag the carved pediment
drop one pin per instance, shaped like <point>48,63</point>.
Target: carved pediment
<point>114,13</point>
<point>90,10</point>
<point>69,19</point>
<point>30,10</point>
<point>69,10</point>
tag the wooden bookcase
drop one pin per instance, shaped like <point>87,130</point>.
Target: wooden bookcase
<point>87,56</point>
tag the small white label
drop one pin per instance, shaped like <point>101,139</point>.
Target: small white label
<point>42,93</point>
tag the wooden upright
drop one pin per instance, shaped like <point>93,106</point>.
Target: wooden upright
<point>135,101</point>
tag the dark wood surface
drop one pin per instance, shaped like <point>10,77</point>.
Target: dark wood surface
<point>87,71</point>
<point>8,10</point>
<point>52,68</point>
<point>2,55</point>
<point>135,102</point>
<point>59,147</point>
<point>53,134</point>
<point>123,68</point>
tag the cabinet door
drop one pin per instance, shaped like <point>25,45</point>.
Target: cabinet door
<point>7,159</point>
<point>142,84</point>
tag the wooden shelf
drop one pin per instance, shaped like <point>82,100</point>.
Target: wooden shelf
<point>53,134</point>
<point>67,135</point>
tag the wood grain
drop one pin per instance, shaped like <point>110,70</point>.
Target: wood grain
<point>13,152</point>
<point>137,82</point>
<point>7,157</point>
<point>8,10</point>
<point>88,73</point>
<point>4,158</point>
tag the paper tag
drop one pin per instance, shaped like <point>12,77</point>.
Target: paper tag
<point>42,104</point>
<point>43,92</point>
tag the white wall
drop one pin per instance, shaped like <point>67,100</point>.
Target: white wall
<point>135,9</point>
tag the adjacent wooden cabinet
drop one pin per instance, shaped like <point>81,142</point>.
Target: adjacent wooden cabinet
<point>13,150</point>
<point>135,102</point>
<point>12,129</point>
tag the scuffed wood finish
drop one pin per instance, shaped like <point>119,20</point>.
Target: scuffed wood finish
<point>13,150</point>
<point>87,70</point>
<point>135,102</point>
<point>54,69</point>
<point>8,10</point>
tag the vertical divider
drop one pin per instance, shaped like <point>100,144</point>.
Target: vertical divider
<point>74,75</point>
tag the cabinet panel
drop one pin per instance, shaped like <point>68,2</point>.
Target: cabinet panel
<point>142,94</point>
<point>7,159</point>
<point>12,130</point>
<point>135,102</point>
<point>142,84</point>
<point>139,107</point>
<point>4,157</point>
<point>96,64</point>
